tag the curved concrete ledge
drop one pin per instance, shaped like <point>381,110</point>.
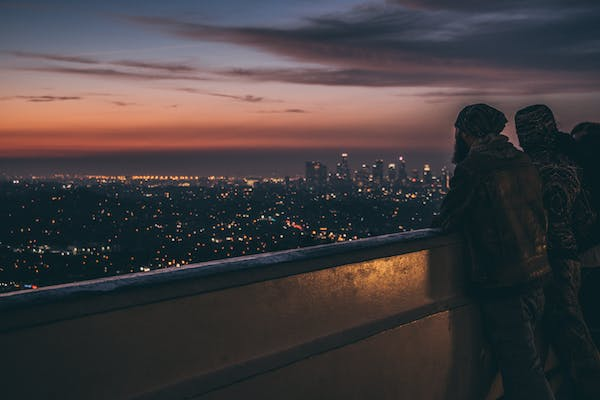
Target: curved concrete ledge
<point>384,317</point>
<point>411,241</point>
<point>141,288</point>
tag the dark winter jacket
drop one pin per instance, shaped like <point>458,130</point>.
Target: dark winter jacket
<point>495,199</point>
<point>587,151</point>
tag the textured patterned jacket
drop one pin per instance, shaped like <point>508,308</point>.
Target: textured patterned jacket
<point>570,214</point>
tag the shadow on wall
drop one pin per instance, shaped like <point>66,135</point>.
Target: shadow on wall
<point>472,371</point>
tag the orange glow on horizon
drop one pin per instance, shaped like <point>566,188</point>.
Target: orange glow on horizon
<point>368,118</point>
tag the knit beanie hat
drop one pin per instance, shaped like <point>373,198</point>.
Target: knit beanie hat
<point>480,120</point>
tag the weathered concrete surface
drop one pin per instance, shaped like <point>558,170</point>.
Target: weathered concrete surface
<point>386,315</point>
<point>436,357</point>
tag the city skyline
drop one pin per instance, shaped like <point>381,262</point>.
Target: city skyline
<point>238,164</point>
<point>120,83</point>
<point>71,228</point>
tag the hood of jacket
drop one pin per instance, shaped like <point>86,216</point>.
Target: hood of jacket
<point>496,146</point>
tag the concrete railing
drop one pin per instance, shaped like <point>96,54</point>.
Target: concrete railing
<point>379,318</point>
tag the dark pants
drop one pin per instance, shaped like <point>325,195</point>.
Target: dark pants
<point>567,331</point>
<point>589,297</point>
<point>510,321</point>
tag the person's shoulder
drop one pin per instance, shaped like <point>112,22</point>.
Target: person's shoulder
<point>468,166</point>
<point>560,176</point>
<point>507,156</point>
<point>524,159</point>
<point>559,165</point>
<point>464,172</point>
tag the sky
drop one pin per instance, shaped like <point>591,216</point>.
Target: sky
<point>246,88</point>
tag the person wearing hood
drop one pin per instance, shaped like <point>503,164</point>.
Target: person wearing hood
<point>495,201</point>
<point>568,213</point>
<point>586,136</point>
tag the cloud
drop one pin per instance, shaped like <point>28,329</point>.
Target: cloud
<point>191,90</point>
<point>115,73</point>
<point>287,111</point>
<point>477,6</point>
<point>247,98</point>
<point>123,103</point>
<point>30,6</point>
<point>539,46</point>
<point>135,69</point>
<point>53,57</point>
<point>478,93</point>
<point>469,44</point>
<point>45,99</point>
<point>155,66</point>
<point>463,5</point>
<point>346,77</point>
<point>99,94</point>
<point>481,81</point>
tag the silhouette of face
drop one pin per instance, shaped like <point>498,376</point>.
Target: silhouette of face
<point>461,148</point>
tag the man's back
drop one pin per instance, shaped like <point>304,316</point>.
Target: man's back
<point>495,200</point>
<point>505,224</point>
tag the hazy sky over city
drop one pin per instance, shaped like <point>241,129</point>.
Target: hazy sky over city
<point>124,82</point>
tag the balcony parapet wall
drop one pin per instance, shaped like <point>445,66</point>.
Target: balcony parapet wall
<point>384,317</point>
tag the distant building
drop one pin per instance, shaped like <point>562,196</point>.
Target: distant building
<point>316,173</point>
<point>427,178</point>
<point>343,169</point>
<point>378,172</point>
<point>415,177</point>
<point>445,179</point>
<point>392,173</point>
<point>402,175</point>
<point>363,175</point>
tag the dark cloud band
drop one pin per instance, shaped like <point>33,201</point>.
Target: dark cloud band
<point>404,43</point>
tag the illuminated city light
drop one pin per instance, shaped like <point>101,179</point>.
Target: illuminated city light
<point>142,223</point>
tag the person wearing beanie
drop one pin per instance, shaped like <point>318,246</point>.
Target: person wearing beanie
<point>495,201</point>
<point>568,213</point>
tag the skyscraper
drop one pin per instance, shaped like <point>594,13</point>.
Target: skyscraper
<point>316,173</point>
<point>392,173</point>
<point>427,178</point>
<point>402,175</point>
<point>445,181</point>
<point>378,172</point>
<point>343,169</point>
<point>362,175</point>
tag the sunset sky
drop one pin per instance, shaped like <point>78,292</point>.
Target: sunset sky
<point>257,87</point>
